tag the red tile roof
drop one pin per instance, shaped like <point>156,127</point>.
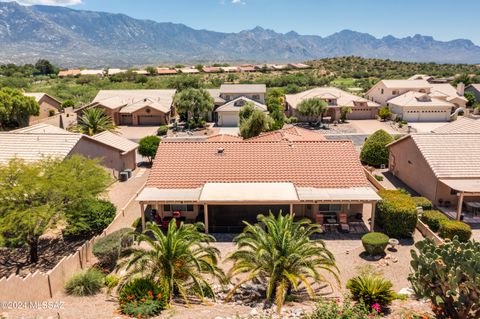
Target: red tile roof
<point>320,164</point>
<point>289,133</point>
<point>223,138</point>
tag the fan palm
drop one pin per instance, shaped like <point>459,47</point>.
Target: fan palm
<point>178,259</point>
<point>94,121</point>
<point>279,251</point>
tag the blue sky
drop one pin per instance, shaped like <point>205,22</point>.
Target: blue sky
<point>442,19</point>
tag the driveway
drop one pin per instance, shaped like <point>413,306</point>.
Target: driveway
<point>235,131</point>
<point>371,126</point>
<point>136,133</point>
<point>426,127</point>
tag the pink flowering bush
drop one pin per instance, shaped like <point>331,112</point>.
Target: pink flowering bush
<point>329,309</point>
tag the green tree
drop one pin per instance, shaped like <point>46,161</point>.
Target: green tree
<point>276,107</point>
<point>194,103</point>
<point>180,259</point>
<point>68,103</point>
<point>463,78</point>
<point>384,113</point>
<point>148,147</point>
<point>375,152</point>
<point>44,67</point>
<point>313,108</point>
<point>16,108</point>
<point>280,253</point>
<point>253,122</point>
<point>184,81</point>
<point>94,121</point>
<point>471,99</point>
<point>151,70</point>
<point>344,111</point>
<point>35,196</point>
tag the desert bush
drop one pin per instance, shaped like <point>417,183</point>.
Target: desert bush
<point>433,218</point>
<point>347,310</point>
<point>162,130</point>
<point>451,228</point>
<point>396,213</point>
<point>374,152</point>
<point>423,202</point>
<point>90,217</point>
<point>111,281</point>
<point>148,146</point>
<point>449,275</point>
<point>109,248</point>
<point>370,290</point>
<point>375,243</point>
<point>378,177</point>
<point>142,298</point>
<point>85,284</point>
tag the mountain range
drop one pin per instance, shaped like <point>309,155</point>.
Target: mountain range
<point>69,37</point>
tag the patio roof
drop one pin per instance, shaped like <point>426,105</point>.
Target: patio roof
<point>463,185</point>
<point>152,194</point>
<point>337,194</point>
<point>248,192</point>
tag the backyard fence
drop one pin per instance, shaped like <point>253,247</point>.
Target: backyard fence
<point>41,286</point>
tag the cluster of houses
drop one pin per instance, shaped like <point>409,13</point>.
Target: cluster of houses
<point>188,70</point>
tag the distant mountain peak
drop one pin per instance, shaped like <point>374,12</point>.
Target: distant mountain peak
<point>78,38</point>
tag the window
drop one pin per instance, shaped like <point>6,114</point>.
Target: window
<point>381,91</point>
<point>395,92</point>
<point>256,97</point>
<point>329,207</point>
<point>453,191</point>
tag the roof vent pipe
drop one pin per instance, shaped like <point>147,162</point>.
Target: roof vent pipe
<point>220,150</point>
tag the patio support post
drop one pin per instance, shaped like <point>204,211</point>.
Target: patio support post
<point>372,218</point>
<point>291,209</point>
<point>205,213</point>
<point>142,209</point>
<point>460,205</point>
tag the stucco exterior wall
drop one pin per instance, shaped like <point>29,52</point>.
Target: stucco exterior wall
<point>421,114</point>
<point>407,163</point>
<point>162,119</point>
<point>376,95</point>
<point>46,104</point>
<point>111,158</point>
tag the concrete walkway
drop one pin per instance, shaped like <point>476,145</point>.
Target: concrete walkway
<point>371,126</point>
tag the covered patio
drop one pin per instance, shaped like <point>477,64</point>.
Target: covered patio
<point>467,206</point>
<point>223,207</point>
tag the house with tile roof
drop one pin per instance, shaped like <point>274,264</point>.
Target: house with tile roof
<point>443,167</point>
<point>135,107</point>
<point>335,99</point>
<point>42,141</point>
<point>420,107</point>
<point>49,106</point>
<point>464,125</point>
<point>225,182</point>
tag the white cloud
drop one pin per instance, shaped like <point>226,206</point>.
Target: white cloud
<point>238,2</point>
<point>48,2</point>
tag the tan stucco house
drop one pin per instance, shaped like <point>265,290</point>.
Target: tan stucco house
<point>48,106</point>
<point>442,167</point>
<point>223,183</point>
<point>43,140</point>
<point>228,114</point>
<point>420,107</point>
<point>336,99</point>
<point>135,107</point>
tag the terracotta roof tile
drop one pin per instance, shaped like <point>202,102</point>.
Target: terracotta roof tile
<point>319,164</point>
<point>223,138</point>
<point>289,133</point>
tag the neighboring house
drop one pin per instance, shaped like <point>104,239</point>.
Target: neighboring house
<point>65,73</point>
<point>289,133</point>
<point>188,71</point>
<point>98,73</point>
<point>442,167</point>
<point>166,71</point>
<point>225,183</point>
<point>42,141</point>
<point>135,107</point>
<point>212,69</point>
<point>475,90</point>
<point>230,92</point>
<point>229,69</point>
<point>420,107</point>
<point>464,125</point>
<point>115,71</point>
<point>299,66</point>
<point>336,99</point>
<point>228,113</point>
<point>48,106</point>
<point>400,93</point>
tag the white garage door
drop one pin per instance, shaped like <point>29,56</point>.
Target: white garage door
<point>426,116</point>
<point>360,114</point>
<point>228,118</point>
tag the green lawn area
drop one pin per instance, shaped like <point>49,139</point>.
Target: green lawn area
<point>348,82</point>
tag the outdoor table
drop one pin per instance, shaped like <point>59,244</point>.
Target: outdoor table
<point>474,205</point>
<point>331,220</point>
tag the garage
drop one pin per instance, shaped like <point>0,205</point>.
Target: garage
<point>126,119</point>
<point>361,114</point>
<point>228,118</point>
<point>229,218</point>
<point>150,120</point>
<point>426,116</point>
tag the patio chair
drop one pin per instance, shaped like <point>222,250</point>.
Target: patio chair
<point>344,222</point>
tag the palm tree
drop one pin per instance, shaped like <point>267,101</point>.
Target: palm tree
<point>313,107</point>
<point>178,259</point>
<point>94,121</point>
<point>279,252</point>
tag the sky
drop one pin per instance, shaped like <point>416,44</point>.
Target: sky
<point>443,19</point>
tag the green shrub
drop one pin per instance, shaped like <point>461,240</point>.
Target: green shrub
<point>423,202</point>
<point>370,290</point>
<point>108,249</point>
<point>85,284</point>
<point>451,228</point>
<point>291,120</point>
<point>433,218</point>
<point>330,309</point>
<point>378,177</point>
<point>142,297</point>
<point>375,243</point>
<point>112,281</point>
<point>148,146</point>
<point>449,275</point>
<point>396,213</point>
<point>90,217</point>
<point>374,152</point>
<point>162,130</point>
